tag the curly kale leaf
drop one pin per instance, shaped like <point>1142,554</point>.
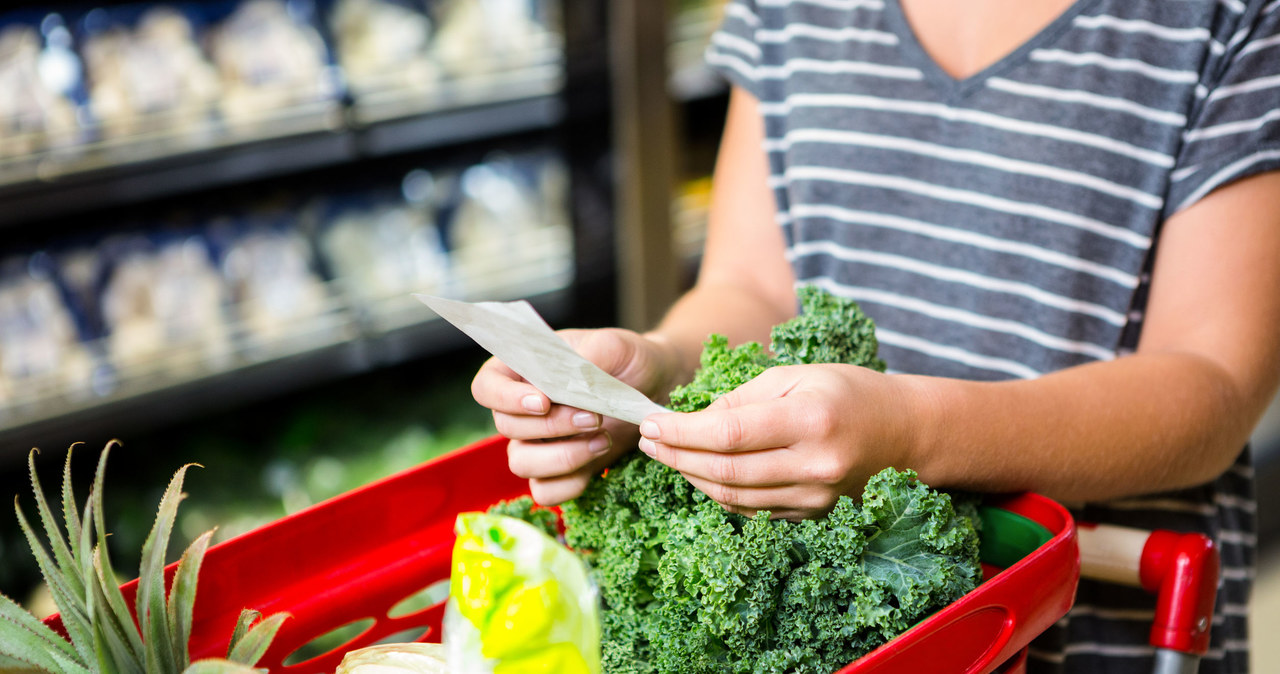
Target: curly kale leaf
<point>690,587</point>
<point>722,370</point>
<point>908,547</point>
<point>829,329</point>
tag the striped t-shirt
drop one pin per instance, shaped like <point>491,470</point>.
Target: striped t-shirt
<point>1001,226</point>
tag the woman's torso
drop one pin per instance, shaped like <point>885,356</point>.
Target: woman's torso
<point>1001,225</point>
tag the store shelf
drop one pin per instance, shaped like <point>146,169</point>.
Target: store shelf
<point>421,132</point>
<point>56,190</point>
<point>457,93</point>
<point>186,385</point>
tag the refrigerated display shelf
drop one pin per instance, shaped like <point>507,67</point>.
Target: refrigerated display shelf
<point>53,187</point>
<point>178,384</point>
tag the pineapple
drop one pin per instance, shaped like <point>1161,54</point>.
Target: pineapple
<point>102,636</point>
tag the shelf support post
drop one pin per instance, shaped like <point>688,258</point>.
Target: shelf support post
<point>648,272</point>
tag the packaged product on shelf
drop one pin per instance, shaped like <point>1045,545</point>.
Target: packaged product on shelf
<point>384,45</point>
<point>41,351</point>
<point>147,74</point>
<point>279,299</point>
<point>41,85</point>
<point>510,233</point>
<point>384,250</point>
<point>271,58</point>
<point>163,308</point>
<point>689,212</point>
<point>476,38</point>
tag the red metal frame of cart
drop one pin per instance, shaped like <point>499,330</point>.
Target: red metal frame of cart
<point>352,558</point>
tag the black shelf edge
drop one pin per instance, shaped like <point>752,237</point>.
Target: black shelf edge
<point>170,176</point>
<point>460,126</point>
<point>190,172</point>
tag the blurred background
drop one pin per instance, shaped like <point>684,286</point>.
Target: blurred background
<point>213,212</point>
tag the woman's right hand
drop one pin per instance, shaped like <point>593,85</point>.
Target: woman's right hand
<point>559,448</point>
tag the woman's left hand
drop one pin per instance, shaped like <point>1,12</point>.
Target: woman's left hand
<point>790,441</point>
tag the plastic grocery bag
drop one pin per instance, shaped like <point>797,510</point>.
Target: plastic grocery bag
<point>518,602</point>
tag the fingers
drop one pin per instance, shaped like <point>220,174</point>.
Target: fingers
<point>499,388</point>
<point>559,470</point>
<point>546,460</point>
<point>554,491</point>
<point>762,414</point>
<point>560,422</point>
<point>734,429</point>
<point>793,502</point>
<point>766,468</point>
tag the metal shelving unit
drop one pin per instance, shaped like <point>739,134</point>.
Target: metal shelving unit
<point>556,94</point>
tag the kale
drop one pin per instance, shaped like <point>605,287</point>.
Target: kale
<point>523,508</point>
<point>690,587</point>
<point>829,329</point>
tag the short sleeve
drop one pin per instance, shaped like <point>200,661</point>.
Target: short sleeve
<point>734,51</point>
<point>1234,130</point>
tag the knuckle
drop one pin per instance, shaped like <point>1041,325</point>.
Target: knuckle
<point>725,494</point>
<point>503,424</point>
<point>728,433</point>
<point>821,420</point>
<point>551,425</point>
<point>724,470</point>
<point>819,503</point>
<point>566,458</point>
<point>825,472</point>
<point>662,454</point>
<point>516,460</point>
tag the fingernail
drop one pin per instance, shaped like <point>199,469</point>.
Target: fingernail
<point>532,402</point>
<point>585,420</point>
<point>599,444</point>
<point>647,446</point>
<point>650,430</point>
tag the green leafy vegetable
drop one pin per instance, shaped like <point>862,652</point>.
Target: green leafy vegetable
<point>828,330</point>
<point>688,587</point>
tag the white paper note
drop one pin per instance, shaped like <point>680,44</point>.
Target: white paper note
<point>517,336</point>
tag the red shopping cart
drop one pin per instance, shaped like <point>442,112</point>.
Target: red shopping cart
<point>354,559</point>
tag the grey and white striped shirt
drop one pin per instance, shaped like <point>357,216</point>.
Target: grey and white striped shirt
<point>1001,226</point>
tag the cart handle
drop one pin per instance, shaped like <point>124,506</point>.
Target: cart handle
<point>1180,569</point>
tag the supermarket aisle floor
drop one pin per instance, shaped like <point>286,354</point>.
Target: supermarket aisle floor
<point>1265,618</point>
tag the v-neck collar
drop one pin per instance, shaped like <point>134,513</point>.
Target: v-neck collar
<point>953,88</point>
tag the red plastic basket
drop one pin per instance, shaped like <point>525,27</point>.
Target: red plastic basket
<point>356,556</point>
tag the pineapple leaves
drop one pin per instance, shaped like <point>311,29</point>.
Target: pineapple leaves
<point>250,648</point>
<point>61,551</point>
<point>114,609</point>
<point>29,641</point>
<point>76,614</point>
<point>150,606</point>
<point>103,636</point>
<point>246,620</point>
<point>182,596</point>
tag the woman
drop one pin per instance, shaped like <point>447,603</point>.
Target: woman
<point>990,180</point>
